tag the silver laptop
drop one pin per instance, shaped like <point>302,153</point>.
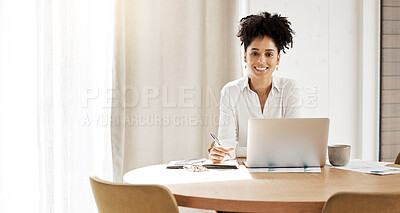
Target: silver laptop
<point>287,142</point>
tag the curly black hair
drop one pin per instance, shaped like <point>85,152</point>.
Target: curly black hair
<point>264,24</point>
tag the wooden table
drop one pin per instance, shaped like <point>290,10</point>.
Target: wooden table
<point>242,191</point>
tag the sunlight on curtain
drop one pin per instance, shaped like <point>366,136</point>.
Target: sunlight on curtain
<point>55,78</point>
<point>18,99</point>
<point>171,60</point>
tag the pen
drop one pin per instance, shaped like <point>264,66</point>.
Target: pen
<point>217,141</point>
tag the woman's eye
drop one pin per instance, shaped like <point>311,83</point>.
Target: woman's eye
<point>254,54</point>
<point>270,54</point>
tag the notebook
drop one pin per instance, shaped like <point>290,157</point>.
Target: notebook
<point>228,164</point>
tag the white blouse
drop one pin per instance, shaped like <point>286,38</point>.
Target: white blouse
<point>239,103</point>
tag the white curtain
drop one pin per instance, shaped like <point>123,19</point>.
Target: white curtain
<point>171,60</point>
<point>55,78</point>
<point>72,72</point>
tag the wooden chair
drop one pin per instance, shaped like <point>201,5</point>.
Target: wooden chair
<point>343,202</point>
<point>397,161</point>
<point>120,198</point>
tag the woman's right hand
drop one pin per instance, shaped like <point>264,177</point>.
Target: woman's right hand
<point>218,153</point>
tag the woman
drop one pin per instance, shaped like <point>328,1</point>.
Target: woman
<point>260,94</point>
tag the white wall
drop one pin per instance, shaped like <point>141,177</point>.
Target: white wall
<point>335,58</point>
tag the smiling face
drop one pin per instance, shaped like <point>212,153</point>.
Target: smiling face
<point>261,57</point>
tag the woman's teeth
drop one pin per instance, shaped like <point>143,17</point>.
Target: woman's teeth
<point>261,69</point>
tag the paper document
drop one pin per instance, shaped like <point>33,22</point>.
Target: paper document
<point>369,167</point>
<point>287,170</point>
<point>179,163</point>
<point>227,164</point>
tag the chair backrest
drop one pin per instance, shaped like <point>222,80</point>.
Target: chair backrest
<point>397,161</point>
<point>363,202</point>
<point>120,198</point>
